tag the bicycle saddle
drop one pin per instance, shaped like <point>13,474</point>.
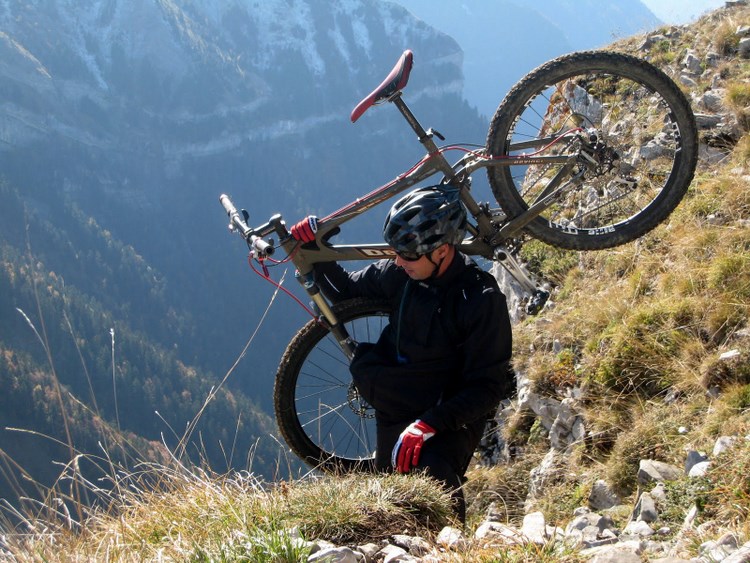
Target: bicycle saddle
<point>394,82</point>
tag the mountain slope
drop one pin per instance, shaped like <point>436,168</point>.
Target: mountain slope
<point>646,344</point>
<point>120,124</point>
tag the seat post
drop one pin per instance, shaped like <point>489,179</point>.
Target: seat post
<point>424,137</point>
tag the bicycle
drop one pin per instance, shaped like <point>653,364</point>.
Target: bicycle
<point>588,151</point>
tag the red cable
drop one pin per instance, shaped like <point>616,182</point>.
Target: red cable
<point>288,257</point>
<point>544,148</point>
<point>265,275</point>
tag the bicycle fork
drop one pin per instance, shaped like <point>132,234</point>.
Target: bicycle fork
<point>337,329</point>
<point>553,191</point>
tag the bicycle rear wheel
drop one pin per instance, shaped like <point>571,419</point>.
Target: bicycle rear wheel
<point>319,412</point>
<point>632,135</point>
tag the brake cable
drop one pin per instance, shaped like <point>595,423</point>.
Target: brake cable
<point>266,275</point>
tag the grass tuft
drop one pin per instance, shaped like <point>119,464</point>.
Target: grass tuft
<point>178,514</point>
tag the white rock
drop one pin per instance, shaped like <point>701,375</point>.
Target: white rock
<point>730,355</point>
<point>602,496</point>
<point>639,528</point>
<point>723,443</point>
<point>713,100</point>
<point>334,555</point>
<point>452,538</point>
<point>692,63</point>
<point>534,528</point>
<point>496,530</point>
<point>699,469</point>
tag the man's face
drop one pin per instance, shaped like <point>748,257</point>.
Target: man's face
<point>416,269</point>
<point>434,263</point>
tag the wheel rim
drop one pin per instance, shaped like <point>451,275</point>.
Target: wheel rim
<point>635,149</point>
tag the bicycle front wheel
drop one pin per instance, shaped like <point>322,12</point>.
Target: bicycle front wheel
<point>319,411</point>
<point>622,146</point>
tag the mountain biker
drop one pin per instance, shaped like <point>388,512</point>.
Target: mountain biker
<point>442,365</point>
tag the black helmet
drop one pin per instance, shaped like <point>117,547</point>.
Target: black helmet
<point>425,219</point>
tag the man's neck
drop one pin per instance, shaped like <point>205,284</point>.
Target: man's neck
<point>446,261</point>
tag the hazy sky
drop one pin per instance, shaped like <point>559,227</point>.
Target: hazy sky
<point>681,11</point>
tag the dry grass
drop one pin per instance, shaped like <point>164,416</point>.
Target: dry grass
<point>178,514</point>
<point>638,321</point>
<point>724,494</point>
<point>646,322</point>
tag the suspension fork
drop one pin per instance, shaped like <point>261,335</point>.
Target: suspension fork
<point>537,295</point>
<point>307,280</point>
<point>552,192</point>
<point>337,329</point>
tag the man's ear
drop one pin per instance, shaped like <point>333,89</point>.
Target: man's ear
<point>443,250</point>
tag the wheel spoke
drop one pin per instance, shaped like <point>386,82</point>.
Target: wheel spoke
<point>326,420</point>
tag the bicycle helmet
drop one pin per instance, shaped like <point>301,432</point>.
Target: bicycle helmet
<point>425,219</point>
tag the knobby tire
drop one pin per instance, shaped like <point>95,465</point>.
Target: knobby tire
<point>319,413</point>
<point>641,168</point>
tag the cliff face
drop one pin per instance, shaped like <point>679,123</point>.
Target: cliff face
<point>197,78</point>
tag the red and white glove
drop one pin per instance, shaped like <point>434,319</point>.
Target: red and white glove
<point>405,453</point>
<point>305,230</point>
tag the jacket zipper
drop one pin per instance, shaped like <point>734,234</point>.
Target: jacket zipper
<point>399,358</point>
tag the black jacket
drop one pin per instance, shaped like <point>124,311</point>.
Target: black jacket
<point>445,355</point>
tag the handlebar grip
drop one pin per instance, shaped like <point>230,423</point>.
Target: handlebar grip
<point>227,204</point>
<point>236,221</point>
<point>235,216</point>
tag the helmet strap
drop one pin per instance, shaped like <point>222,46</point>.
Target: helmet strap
<point>436,265</point>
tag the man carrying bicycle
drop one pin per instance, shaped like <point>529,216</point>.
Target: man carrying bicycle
<point>442,365</point>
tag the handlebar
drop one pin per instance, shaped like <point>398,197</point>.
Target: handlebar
<point>237,222</point>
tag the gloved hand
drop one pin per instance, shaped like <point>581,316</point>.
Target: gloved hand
<point>405,453</point>
<point>305,230</point>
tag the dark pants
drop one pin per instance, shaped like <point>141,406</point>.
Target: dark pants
<point>444,457</point>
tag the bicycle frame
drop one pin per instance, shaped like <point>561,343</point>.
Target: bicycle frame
<point>486,235</point>
<point>588,151</point>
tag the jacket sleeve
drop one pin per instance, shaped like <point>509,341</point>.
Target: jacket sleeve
<point>487,376</point>
<point>380,279</point>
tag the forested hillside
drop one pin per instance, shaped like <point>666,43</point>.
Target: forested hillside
<point>80,370</point>
<point>124,303</point>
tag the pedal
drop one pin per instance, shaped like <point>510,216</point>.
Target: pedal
<point>537,301</point>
